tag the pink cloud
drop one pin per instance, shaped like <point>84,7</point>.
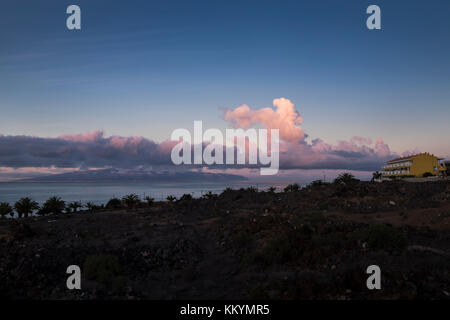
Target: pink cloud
<point>90,136</point>
<point>296,152</point>
<point>284,118</point>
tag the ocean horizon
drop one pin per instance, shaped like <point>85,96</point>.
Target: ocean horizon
<point>100,192</point>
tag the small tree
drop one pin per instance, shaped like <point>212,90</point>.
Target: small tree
<point>53,205</point>
<point>114,203</point>
<point>318,183</point>
<point>91,206</point>
<point>5,209</point>
<point>345,178</point>
<point>149,200</point>
<point>75,206</point>
<point>271,189</point>
<point>25,206</point>
<point>376,176</point>
<point>209,195</point>
<point>171,199</point>
<point>292,187</point>
<point>186,197</point>
<point>131,200</point>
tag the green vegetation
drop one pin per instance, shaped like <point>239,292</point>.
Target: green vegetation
<point>381,236</point>
<point>171,199</point>
<point>282,248</point>
<point>149,200</point>
<point>6,209</point>
<point>376,176</point>
<point>258,293</point>
<point>345,178</point>
<point>52,205</point>
<point>209,195</point>
<point>427,174</point>
<point>114,203</point>
<point>318,183</point>
<point>91,206</point>
<point>131,200</point>
<point>25,206</point>
<point>101,267</point>
<point>74,206</point>
<point>292,187</point>
<point>186,197</point>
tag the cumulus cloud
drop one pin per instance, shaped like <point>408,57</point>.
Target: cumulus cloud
<point>86,150</point>
<point>95,150</point>
<point>284,118</point>
<point>359,153</point>
<point>90,136</point>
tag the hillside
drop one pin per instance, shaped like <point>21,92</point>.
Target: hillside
<point>315,243</point>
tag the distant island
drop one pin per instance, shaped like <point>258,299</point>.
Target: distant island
<point>116,175</point>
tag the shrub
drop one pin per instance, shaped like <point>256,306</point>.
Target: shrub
<point>186,197</point>
<point>114,203</point>
<point>227,189</point>
<point>381,236</point>
<point>318,183</point>
<point>242,239</point>
<point>209,195</point>
<point>427,174</point>
<point>292,187</point>
<point>281,249</point>
<point>91,206</point>
<point>171,198</point>
<point>101,267</point>
<point>149,200</point>
<point>258,293</point>
<point>271,189</point>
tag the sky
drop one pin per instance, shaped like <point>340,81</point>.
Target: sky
<point>145,68</point>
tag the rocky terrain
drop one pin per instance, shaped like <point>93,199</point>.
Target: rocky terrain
<point>313,243</point>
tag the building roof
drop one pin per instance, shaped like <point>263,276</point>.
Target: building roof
<point>408,157</point>
<point>401,159</point>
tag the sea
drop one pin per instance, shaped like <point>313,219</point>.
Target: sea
<point>99,192</point>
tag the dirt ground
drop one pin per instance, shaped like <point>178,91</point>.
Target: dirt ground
<point>315,243</point>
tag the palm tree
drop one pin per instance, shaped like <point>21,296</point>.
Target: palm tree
<point>25,206</point>
<point>75,205</point>
<point>131,200</point>
<point>5,209</point>
<point>53,205</point>
<point>90,206</point>
<point>376,176</point>
<point>171,198</point>
<point>345,178</point>
<point>149,200</point>
<point>271,189</point>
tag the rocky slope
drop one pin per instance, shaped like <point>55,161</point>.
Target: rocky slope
<point>315,243</point>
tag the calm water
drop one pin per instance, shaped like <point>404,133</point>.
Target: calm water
<point>100,193</point>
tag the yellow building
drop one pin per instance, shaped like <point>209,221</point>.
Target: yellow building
<point>415,165</point>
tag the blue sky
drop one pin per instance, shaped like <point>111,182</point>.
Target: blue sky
<point>148,67</point>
